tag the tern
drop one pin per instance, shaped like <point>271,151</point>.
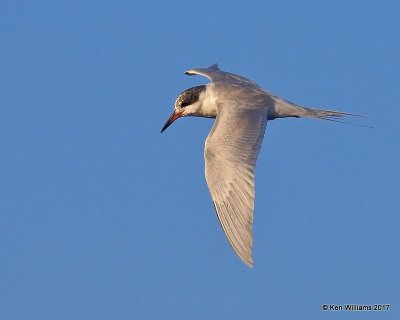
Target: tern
<point>242,110</point>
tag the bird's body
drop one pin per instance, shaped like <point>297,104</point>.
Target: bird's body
<point>241,109</point>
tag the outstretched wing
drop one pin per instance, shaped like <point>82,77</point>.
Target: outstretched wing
<point>216,75</point>
<point>231,151</point>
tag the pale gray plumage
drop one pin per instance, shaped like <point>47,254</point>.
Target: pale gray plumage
<point>241,109</point>
<point>230,157</point>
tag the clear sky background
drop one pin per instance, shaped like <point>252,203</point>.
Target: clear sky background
<point>102,217</point>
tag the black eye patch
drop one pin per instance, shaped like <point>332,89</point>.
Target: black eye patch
<point>185,103</point>
<point>190,96</point>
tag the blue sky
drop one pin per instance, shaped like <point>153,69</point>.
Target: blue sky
<point>104,218</point>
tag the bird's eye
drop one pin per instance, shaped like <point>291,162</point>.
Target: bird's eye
<point>184,104</point>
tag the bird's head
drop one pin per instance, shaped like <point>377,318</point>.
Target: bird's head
<point>188,103</point>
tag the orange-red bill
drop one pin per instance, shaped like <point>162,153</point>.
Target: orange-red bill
<point>171,119</point>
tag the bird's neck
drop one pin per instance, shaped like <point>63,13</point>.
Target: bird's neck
<point>205,107</point>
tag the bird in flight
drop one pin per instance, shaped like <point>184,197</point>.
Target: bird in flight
<point>242,110</point>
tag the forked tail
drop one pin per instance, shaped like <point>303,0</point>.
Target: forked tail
<point>285,108</point>
<point>325,114</point>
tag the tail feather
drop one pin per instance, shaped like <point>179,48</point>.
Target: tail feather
<point>325,114</point>
<point>284,108</point>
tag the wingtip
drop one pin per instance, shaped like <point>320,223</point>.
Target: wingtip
<point>248,262</point>
<point>214,66</point>
<point>250,265</point>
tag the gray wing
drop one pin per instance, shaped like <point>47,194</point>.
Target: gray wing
<point>216,75</point>
<point>231,151</point>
